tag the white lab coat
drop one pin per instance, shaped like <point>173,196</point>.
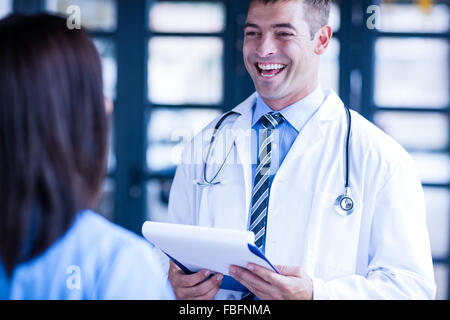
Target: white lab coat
<point>381,251</point>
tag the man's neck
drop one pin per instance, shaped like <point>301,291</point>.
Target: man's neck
<point>284,102</point>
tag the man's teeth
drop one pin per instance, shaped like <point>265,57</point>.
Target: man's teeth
<point>271,66</point>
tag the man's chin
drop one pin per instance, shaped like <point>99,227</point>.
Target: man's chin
<point>268,94</point>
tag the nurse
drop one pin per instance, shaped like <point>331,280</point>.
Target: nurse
<point>53,139</point>
<point>284,170</point>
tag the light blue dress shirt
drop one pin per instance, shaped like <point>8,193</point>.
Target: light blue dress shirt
<point>95,259</point>
<point>296,116</point>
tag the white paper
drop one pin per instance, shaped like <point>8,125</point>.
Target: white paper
<point>200,248</point>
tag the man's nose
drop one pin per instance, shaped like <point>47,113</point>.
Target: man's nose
<point>266,47</point>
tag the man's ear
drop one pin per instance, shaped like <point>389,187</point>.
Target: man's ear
<point>322,39</point>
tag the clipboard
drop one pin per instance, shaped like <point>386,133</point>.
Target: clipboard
<point>193,248</point>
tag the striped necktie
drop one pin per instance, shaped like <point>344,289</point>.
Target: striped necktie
<point>260,195</point>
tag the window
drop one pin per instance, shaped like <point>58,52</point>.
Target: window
<point>404,17</point>
<point>412,105</point>
<point>438,208</point>
<point>186,70</point>
<point>5,7</point>
<point>169,129</point>
<point>412,72</point>
<point>335,17</point>
<point>187,17</point>
<point>95,14</point>
<point>100,18</point>
<point>433,168</point>
<point>441,278</point>
<point>185,85</point>
<point>106,49</point>
<point>329,62</point>
<point>329,66</point>
<point>416,130</point>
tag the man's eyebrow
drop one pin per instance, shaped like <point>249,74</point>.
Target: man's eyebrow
<point>283,25</point>
<point>251,25</point>
<point>273,26</point>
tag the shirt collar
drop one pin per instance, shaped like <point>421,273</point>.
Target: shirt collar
<point>297,114</point>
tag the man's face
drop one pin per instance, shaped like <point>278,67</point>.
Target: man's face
<point>279,53</point>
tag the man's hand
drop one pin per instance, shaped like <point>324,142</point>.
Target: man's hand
<point>194,286</point>
<point>291,284</point>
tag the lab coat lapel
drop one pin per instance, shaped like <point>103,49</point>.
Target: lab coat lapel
<point>242,134</point>
<point>311,135</point>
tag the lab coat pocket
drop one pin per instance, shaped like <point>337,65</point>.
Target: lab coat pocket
<point>333,239</point>
<point>225,202</point>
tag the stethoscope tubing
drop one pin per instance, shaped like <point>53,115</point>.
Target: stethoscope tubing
<point>347,148</point>
<point>339,203</point>
<point>211,182</point>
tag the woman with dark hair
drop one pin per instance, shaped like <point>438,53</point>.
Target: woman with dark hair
<point>53,141</point>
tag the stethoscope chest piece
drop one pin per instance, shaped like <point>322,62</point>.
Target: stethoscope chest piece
<point>344,204</point>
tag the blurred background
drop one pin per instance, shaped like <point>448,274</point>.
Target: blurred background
<point>172,66</point>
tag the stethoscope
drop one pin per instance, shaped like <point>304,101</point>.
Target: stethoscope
<point>344,203</point>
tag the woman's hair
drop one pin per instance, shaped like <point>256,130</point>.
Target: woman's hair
<point>53,132</point>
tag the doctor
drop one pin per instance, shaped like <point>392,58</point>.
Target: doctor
<point>276,166</point>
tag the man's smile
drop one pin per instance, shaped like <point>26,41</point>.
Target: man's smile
<point>269,70</point>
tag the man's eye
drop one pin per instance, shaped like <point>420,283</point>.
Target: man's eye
<point>251,33</point>
<point>285,34</point>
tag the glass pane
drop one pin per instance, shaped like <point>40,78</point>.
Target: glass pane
<point>157,200</point>
<point>438,209</point>
<point>404,17</point>
<point>433,167</point>
<point>329,66</point>
<point>106,49</point>
<point>412,72</point>
<point>95,14</point>
<point>441,279</point>
<point>111,160</point>
<point>106,204</point>
<point>187,17</point>
<point>185,70</point>
<point>414,130</point>
<point>169,129</point>
<point>335,17</point>
<point>5,7</point>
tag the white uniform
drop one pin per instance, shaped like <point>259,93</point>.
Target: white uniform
<point>381,251</point>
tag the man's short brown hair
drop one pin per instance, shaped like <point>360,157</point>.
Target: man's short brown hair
<point>318,12</point>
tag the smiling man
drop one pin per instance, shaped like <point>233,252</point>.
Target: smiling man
<point>281,50</point>
<point>306,152</point>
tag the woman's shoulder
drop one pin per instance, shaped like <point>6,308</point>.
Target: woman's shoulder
<point>128,265</point>
<point>94,259</point>
<point>106,242</point>
<point>90,226</point>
